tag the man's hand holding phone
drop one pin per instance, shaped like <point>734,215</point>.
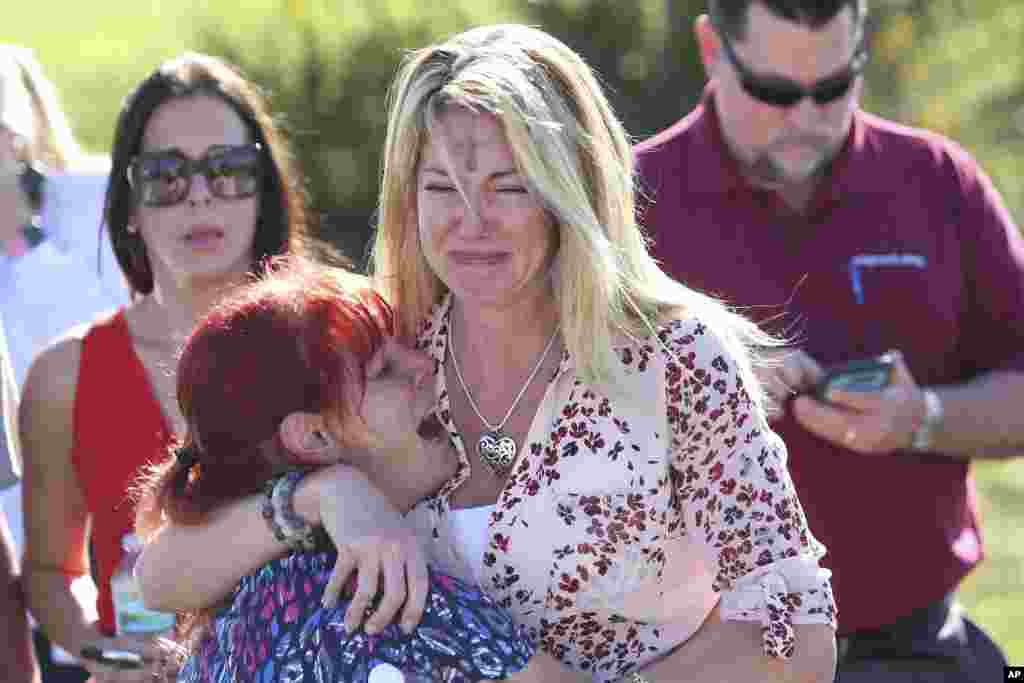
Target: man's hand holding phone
<point>869,406</point>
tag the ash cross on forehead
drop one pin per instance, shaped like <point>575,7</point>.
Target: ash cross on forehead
<point>466,149</point>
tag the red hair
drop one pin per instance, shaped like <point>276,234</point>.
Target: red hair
<point>296,339</point>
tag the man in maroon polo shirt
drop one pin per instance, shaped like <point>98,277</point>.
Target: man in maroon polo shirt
<point>853,236</point>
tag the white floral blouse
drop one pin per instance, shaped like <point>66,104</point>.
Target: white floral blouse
<point>633,508</point>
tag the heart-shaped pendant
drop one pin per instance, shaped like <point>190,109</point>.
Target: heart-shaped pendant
<point>497,451</point>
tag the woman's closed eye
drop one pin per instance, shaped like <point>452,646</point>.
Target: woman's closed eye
<point>439,187</point>
<point>512,189</point>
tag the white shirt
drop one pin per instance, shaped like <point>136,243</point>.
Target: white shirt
<point>468,529</point>
<point>70,278</point>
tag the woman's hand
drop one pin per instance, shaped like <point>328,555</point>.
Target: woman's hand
<point>394,555</point>
<point>160,660</point>
<point>372,540</point>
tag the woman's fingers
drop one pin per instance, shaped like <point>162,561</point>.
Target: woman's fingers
<point>394,595</point>
<point>343,568</point>
<point>391,584</point>
<point>366,590</point>
<point>418,584</point>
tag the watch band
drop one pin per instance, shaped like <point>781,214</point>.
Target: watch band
<point>924,435</point>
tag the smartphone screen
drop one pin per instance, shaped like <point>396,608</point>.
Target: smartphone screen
<point>873,374</point>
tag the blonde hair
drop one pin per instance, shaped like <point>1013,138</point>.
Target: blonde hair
<point>30,103</point>
<point>575,156</point>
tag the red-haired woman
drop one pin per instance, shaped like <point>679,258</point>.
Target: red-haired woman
<point>272,383</point>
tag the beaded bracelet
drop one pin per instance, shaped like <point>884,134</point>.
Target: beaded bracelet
<point>279,513</point>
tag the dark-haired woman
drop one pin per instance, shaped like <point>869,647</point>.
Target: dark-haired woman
<point>201,190</point>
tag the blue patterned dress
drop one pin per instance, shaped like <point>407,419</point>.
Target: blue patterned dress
<point>275,629</point>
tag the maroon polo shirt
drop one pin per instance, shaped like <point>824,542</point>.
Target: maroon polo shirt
<point>906,246</point>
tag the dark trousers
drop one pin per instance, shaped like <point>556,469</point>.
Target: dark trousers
<point>934,644</point>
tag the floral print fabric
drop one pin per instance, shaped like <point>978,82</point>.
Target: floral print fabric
<point>634,508</point>
<point>275,629</point>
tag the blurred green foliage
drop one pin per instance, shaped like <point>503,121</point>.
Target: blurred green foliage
<point>956,67</point>
<point>941,64</point>
<point>950,65</point>
<point>333,90</point>
<point>332,97</point>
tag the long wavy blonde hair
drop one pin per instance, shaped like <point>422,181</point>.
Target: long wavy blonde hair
<point>575,156</point>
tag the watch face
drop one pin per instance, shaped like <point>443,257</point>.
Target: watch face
<point>923,437</point>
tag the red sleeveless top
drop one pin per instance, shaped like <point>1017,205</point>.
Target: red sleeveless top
<point>118,427</point>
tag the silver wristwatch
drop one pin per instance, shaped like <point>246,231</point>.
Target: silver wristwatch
<point>924,435</point>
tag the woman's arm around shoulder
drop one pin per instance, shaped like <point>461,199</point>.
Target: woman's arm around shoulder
<point>212,573</point>
<point>339,497</point>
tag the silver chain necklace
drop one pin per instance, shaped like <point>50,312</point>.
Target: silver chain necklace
<point>496,449</point>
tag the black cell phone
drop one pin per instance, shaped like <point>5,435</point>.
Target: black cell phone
<point>868,374</point>
<point>115,659</point>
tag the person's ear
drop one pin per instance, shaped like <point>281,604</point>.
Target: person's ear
<point>708,44</point>
<point>306,436</point>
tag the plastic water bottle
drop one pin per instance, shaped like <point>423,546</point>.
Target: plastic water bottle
<point>130,614</point>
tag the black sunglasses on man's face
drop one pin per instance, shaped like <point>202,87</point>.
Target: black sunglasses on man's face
<point>783,92</point>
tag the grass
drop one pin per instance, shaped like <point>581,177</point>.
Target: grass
<point>994,593</point>
<point>96,51</point>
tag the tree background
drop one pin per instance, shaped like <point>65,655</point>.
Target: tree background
<point>954,66</point>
